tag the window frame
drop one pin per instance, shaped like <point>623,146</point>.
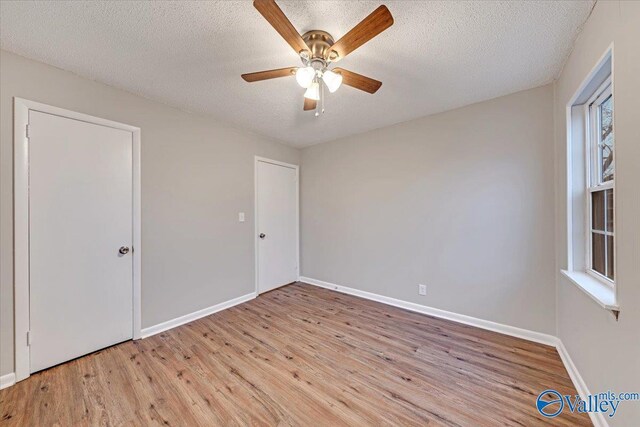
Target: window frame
<point>593,165</point>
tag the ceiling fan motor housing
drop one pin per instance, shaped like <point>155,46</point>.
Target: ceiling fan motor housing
<point>319,43</point>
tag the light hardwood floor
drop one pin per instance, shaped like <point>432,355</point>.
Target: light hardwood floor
<point>300,355</point>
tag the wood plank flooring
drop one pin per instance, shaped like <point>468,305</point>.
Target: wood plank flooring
<point>300,355</point>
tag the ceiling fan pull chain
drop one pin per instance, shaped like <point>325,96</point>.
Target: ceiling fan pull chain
<point>322,98</point>
<point>319,103</point>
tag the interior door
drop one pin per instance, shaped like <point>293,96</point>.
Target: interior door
<point>80,232</point>
<point>277,222</point>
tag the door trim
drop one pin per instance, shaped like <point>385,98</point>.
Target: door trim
<point>258,159</point>
<point>21,108</point>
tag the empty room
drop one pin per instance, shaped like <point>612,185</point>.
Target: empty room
<point>320,213</point>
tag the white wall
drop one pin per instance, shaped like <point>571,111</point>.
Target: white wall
<point>461,201</point>
<point>471,202</point>
<point>606,352</point>
<point>197,174</point>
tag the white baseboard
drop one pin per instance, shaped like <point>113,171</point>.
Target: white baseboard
<point>169,324</point>
<point>597,419</point>
<point>443,314</point>
<point>7,380</point>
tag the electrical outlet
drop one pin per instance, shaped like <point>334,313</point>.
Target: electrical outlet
<point>422,289</point>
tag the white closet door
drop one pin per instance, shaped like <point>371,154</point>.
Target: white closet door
<point>80,204</point>
<point>277,194</point>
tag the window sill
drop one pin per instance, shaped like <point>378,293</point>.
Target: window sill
<point>604,295</point>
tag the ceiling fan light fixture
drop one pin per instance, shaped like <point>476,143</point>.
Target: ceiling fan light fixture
<point>317,49</point>
<point>332,80</point>
<point>305,76</point>
<point>313,92</point>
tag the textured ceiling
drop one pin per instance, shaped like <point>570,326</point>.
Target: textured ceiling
<point>437,56</point>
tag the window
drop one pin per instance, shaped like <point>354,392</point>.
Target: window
<point>591,186</point>
<point>600,184</point>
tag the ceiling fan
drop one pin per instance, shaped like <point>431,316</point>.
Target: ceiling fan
<point>318,51</point>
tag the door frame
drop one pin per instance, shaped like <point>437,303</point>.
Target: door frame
<point>258,159</point>
<point>21,108</point>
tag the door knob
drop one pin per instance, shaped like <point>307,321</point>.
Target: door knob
<point>262,235</point>
<point>123,250</point>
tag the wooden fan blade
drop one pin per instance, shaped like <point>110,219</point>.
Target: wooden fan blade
<point>278,20</point>
<point>378,21</point>
<point>309,104</point>
<point>269,74</point>
<point>358,81</point>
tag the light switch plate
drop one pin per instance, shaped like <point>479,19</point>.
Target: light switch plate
<point>241,216</point>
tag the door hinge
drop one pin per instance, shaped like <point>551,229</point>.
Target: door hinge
<point>27,131</point>
<point>28,338</point>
